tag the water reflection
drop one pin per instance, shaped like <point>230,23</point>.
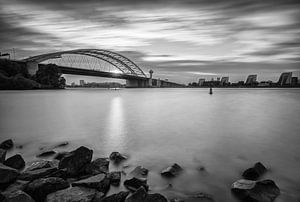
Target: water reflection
<point>115,130</point>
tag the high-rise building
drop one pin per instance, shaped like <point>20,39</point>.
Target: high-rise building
<point>251,79</point>
<point>285,78</point>
<point>81,82</point>
<point>294,81</point>
<point>201,82</point>
<point>224,80</point>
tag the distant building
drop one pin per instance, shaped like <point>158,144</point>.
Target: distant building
<point>218,78</point>
<point>251,79</point>
<point>81,82</point>
<point>201,82</point>
<point>265,84</point>
<point>224,80</point>
<point>285,79</point>
<point>294,81</point>
<point>73,84</point>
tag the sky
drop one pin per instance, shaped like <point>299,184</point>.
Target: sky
<point>179,40</point>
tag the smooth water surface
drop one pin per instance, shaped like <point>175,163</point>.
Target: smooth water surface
<point>226,132</point>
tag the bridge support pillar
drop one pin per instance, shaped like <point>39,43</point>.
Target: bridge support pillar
<point>32,67</point>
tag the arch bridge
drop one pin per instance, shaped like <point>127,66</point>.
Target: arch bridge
<point>96,62</point>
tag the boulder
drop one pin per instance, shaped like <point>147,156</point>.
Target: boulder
<point>75,161</point>
<point>17,196</point>
<point>7,174</point>
<point>114,177</point>
<point>62,144</point>
<point>39,164</point>
<point>35,174</point>
<point>60,155</point>
<point>7,144</point>
<point>139,172</point>
<point>72,194</point>
<point>2,197</point>
<point>255,172</point>
<point>117,157</point>
<point>119,197</point>
<point>137,196</point>
<point>171,171</point>
<point>46,153</point>
<point>260,191</point>
<point>16,162</point>
<point>40,188</point>
<point>176,200</point>
<point>17,185</point>
<point>2,155</point>
<point>134,184</point>
<point>99,182</point>
<point>155,198</point>
<point>201,197</point>
<point>100,165</point>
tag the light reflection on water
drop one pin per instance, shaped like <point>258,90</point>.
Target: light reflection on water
<point>226,132</point>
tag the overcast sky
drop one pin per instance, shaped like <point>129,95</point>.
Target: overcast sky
<point>179,40</point>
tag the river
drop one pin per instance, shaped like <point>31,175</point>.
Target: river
<point>226,132</point>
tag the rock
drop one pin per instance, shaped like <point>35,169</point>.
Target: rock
<point>255,172</point>
<point>2,155</point>
<point>176,200</point>
<point>114,177</point>
<point>17,196</point>
<point>155,198</point>
<point>260,191</point>
<point>117,157</point>
<point>16,162</point>
<point>7,174</point>
<point>100,165</point>
<point>72,194</point>
<point>7,144</point>
<point>202,197</point>
<point>119,197</point>
<point>76,160</point>
<point>139,172</point>
<point>138,196</point>
<point>135,183</point>
<point>46,153</point>
<point>62,144</point>
<point>99,182</point>
<point>35,165</point>
<point>60,155</point>
<point>2,197</point>
<point>17,185</point>
<point>38,173</point>
<point>171,171</point>
<point>40,188</point>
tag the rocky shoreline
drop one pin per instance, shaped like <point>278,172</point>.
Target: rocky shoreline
<point>77,176</point>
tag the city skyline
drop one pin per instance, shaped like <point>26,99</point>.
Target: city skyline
<point>180,40</point>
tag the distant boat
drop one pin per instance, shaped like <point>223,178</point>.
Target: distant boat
<point>210,91</point>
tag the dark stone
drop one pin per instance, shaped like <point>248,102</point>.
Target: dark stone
<point>2,155</point>
<point>61,173</point>
<point>139,172</point>
<point>16,196</point>
<point>2,197</point>
<point>76,160</point>
<point>46,153</point>
<point>119,197</point>
<point>62,144</point>
<point>99,182</point>
<point>114,177</point>
<point>176,200</point>
<point>72,194</point>
<point>255,172</point>
<point>117,157</point>
<point>7,174</point>
<point>252,191</point>
<point>155,198</point>
<point>60,155</point>
<point>17,185</point>
<point>38,173</point>
<point>171,171</point>
<point>100,165</point>
<point>135,183</point>
<point>138,196</point>
<point>202,197</point>
<point>7,144</point>
<point>16,162</point>
<point>40,188</point>
<point>39,164</point>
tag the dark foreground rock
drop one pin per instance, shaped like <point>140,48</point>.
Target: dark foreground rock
<point>99,182</point>
<point>72,194</point>
<point>255,172</point>
<point>252,191</point>
<point>2,155</point>
<point>117,157</point>
<point>40,188</point>
<point>141,196</point>
<point>7,144</point>
<point>17,196</point>
<point>75,161</point>
<point>38,173</point>
<point>119,197</point>
<point>16,162</point>
<point>46,153</point>
<point>171,171</point>
<point>100,165</point>
<point>139,172</point>
<point>134,184</point>
<point>39,164</point>
<point>7,174</point>
<point>203,197</point>
<point>62,144</point>
<point>114,177</point>
<point>60,155</point>
<point>17,185</point>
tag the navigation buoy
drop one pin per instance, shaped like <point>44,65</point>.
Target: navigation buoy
<point>210,91</point>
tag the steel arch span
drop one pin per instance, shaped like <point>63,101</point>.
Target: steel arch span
<point>122,63</point>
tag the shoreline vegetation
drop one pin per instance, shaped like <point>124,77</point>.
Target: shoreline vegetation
<point>78,176</point>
